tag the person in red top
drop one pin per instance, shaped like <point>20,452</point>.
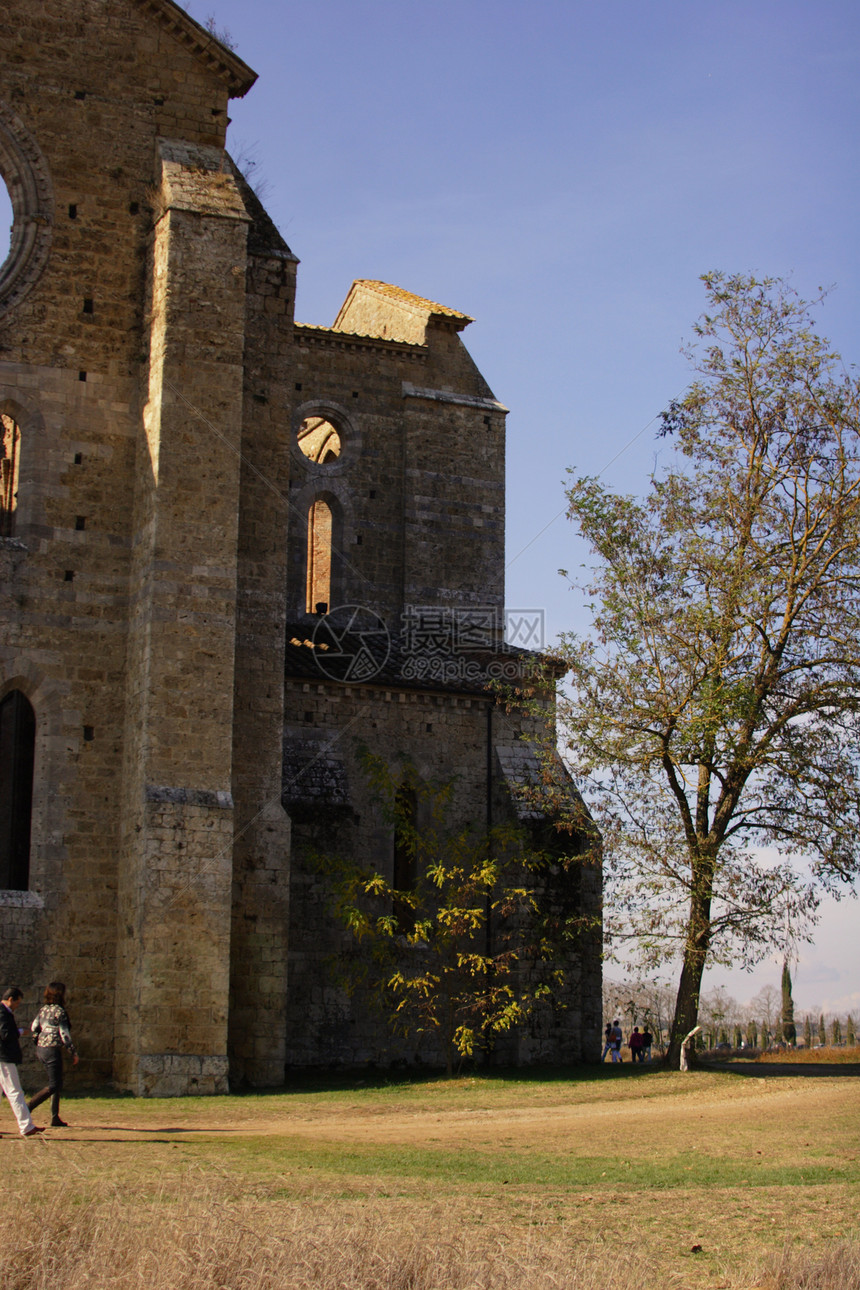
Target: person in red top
<point>636,1044</point>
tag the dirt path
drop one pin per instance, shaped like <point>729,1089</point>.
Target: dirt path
<point>674,1119</point>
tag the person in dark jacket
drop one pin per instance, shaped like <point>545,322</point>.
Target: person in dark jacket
<point>52,1030</point>
<point>10,1056</point>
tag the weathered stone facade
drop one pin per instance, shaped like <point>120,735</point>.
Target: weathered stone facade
<point>170,543</point>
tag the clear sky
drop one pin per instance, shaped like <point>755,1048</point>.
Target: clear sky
<point>564,172</point>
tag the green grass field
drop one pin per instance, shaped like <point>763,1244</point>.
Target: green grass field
<point>719,1178</point>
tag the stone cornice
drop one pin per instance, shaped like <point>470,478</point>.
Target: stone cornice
<point>450,396</point>
<point>308,333</point>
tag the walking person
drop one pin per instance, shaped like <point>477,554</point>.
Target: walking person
<point>10,1056</point>
<point>53,1033</point>
<point>607,1042</point>
<point>647,1041</point>
<point>617,1038</point>
<point>636,1044</point>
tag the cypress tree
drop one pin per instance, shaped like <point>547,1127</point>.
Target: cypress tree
<point>807,1031</point>
<point>850,1032</point>
<point>836,1032</point>
<point>822,1033</point>
<point>789,1030</point>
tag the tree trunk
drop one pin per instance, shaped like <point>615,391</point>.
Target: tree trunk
<point>690,984</point>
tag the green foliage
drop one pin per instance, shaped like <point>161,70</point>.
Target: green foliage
<point>836,1032</point>
<point>478,939</point>
<point>807,1031</point>
<point>822,1032</point>
<point>715,709</point>
<point>850,1031</point>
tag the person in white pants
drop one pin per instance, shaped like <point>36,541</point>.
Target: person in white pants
<point>10,1056</point>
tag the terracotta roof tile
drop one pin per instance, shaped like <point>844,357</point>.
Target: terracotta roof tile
<point>409,298</point>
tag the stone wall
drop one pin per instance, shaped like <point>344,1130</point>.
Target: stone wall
<point>157,570</point>
<point>446,736</point>
<point>84,638</point>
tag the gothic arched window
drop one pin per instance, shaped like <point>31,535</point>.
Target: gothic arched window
<point>17,752</point>
<point>318,598</point>
<point>10,452</point>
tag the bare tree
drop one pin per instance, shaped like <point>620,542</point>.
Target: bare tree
<point>766,1005</point>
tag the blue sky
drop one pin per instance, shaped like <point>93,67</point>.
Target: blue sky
<point>564,172</point>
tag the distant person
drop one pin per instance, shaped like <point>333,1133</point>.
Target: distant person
<point>53,1033</point>
<point>10,1056</point>
<point>607,1042</point>
<point>617,1039</point>
<point>636,1045</point>
<point>647,1041</point>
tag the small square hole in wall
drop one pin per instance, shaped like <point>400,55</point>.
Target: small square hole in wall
<point>133,208</point>
<point>79,456</point>
<point>429,727</point>
<point>69,575</point>
<point>355,394</point>
<point>88,305</point>
<point>80,94</point>
<point>309,716</point>
<point>89,734</point>
<point>299,386</point>
<point>73,211</point>
<point>359,540</point>
<point>80,522</point>
<point>82,376</point>
<point>372,494</point>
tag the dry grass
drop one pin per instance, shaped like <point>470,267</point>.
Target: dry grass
<point>816,1056</point>
<point>206,1240</point>
<point>710,1181</point>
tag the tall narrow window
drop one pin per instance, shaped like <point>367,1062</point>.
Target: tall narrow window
<point>17,749</point>
<point>10,449</point>
<point>403,874</point>
<point>319,557</point>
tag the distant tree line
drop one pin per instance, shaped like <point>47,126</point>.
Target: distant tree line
<point>759,1024</point>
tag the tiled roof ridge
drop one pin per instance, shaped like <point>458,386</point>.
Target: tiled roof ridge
<point>410,298</point>
<point>239,76</point>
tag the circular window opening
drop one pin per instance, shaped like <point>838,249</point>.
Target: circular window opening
<point>6,221</point>
<point>319,440</point>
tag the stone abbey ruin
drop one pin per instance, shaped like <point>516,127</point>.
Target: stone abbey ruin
<point>194,485</point>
